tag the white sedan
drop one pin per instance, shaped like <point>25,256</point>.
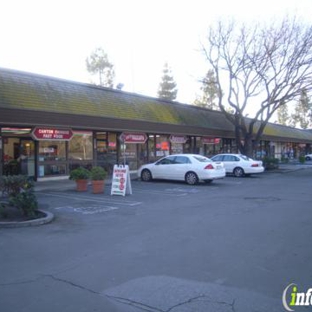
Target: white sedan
<point>190,168</point>
<point>238,164</point>
<point>308,157</point>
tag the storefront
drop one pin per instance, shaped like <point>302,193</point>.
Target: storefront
<point>49,126</point>
<point>42,152</point>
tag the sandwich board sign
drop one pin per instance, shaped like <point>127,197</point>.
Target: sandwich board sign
<point>121,183</point>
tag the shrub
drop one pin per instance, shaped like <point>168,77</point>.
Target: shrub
<point>302,159</point>
<point>98,173</point>
<point>14,184</point>
<point>20,191</point>
<point>270,162</point>
<point>80,173</point>
<point>27,202</point>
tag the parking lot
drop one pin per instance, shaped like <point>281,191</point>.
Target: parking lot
<point>233,245</point>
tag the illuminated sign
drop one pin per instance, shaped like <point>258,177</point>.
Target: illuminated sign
<point>52,134</point>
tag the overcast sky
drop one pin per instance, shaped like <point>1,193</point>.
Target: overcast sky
<point>55,37</point>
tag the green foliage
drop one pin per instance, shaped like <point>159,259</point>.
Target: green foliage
<point>285,160</point>
<point>14,184</point>
<point>26,201</point>
<point>3,210</point>
<point>98,173</point>
<point>302,116</point>
<point>20,191</point>
<point>282,114</point>
<point>270,163</point>
<point>302,159</point>
<point>98,63</point>
<point>210,92</point>
<point>79,173</point>
<point>167,88</point>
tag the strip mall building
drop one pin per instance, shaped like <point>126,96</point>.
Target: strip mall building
<point>49,126</point>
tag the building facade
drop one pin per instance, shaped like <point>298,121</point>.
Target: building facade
<point>49,126</point>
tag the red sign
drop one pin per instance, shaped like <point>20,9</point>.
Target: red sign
<point>133,137</point>
<point>52,134</point>
<point>178,139</point>
<point>210,140</point>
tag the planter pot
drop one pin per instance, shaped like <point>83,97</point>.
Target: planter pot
<point>97,186</point>
<point>82,185</point>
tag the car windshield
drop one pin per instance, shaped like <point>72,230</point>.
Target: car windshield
<point>202,159</point>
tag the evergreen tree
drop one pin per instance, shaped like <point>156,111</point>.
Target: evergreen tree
<point>210,92</point>
<point>98,63</point>
<point>167,89</point>
<point>302,117</point>
<point>282,115</point>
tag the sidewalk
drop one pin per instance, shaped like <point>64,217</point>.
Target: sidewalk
<point>66,184</point>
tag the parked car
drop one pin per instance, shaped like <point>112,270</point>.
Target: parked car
<point>308,157</point>
<point>190,168</point>
<point>238,164</point>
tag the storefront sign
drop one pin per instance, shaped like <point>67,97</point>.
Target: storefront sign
<point>210,140</point>
<point>133,137</point>
<point>52,134</point>
<point>177,139</point>
<point>121,182</point>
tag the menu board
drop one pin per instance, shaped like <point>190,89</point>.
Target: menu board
<point>121,182</point>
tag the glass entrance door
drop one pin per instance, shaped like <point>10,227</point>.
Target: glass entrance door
<point>27,157</point>
<point>19,156</point>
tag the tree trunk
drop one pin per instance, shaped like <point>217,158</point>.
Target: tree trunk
<point>247,146</point>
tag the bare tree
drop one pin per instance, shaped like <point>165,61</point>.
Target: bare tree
<point>259,68</point>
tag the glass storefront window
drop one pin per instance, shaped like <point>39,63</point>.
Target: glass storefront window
<point>129,155</point>
<point>151,148</point>
<point>199,149</point>
<point>51,169</point>
<point>80,146</point>
<point>162,146</point>
<point>106,150</point>
<point>52,151</point>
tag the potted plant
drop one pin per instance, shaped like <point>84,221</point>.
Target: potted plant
<point>81,176</point>
<point>98,175</point>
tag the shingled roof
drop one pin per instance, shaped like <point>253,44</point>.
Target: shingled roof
<point>39,99</point>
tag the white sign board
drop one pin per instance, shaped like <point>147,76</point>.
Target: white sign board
<point>121,183</point>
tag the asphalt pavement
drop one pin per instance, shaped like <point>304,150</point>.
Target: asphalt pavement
<point>233,245</point>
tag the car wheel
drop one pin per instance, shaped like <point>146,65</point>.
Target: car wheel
<point>146,175</point>
<point>238,172</point>
<point>308,158</point>
<point>191,178</point>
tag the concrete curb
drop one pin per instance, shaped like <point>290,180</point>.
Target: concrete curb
<point>40,221</point>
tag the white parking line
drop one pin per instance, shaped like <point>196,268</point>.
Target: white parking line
<point>102,200</point>
<point>159,192</point>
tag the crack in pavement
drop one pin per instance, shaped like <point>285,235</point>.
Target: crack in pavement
<point>148,308</point>
<point>135,304</point>
<point>20,282</point>
<point>232,305</point>
<point>71,283</point>
<point>127,301</point>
